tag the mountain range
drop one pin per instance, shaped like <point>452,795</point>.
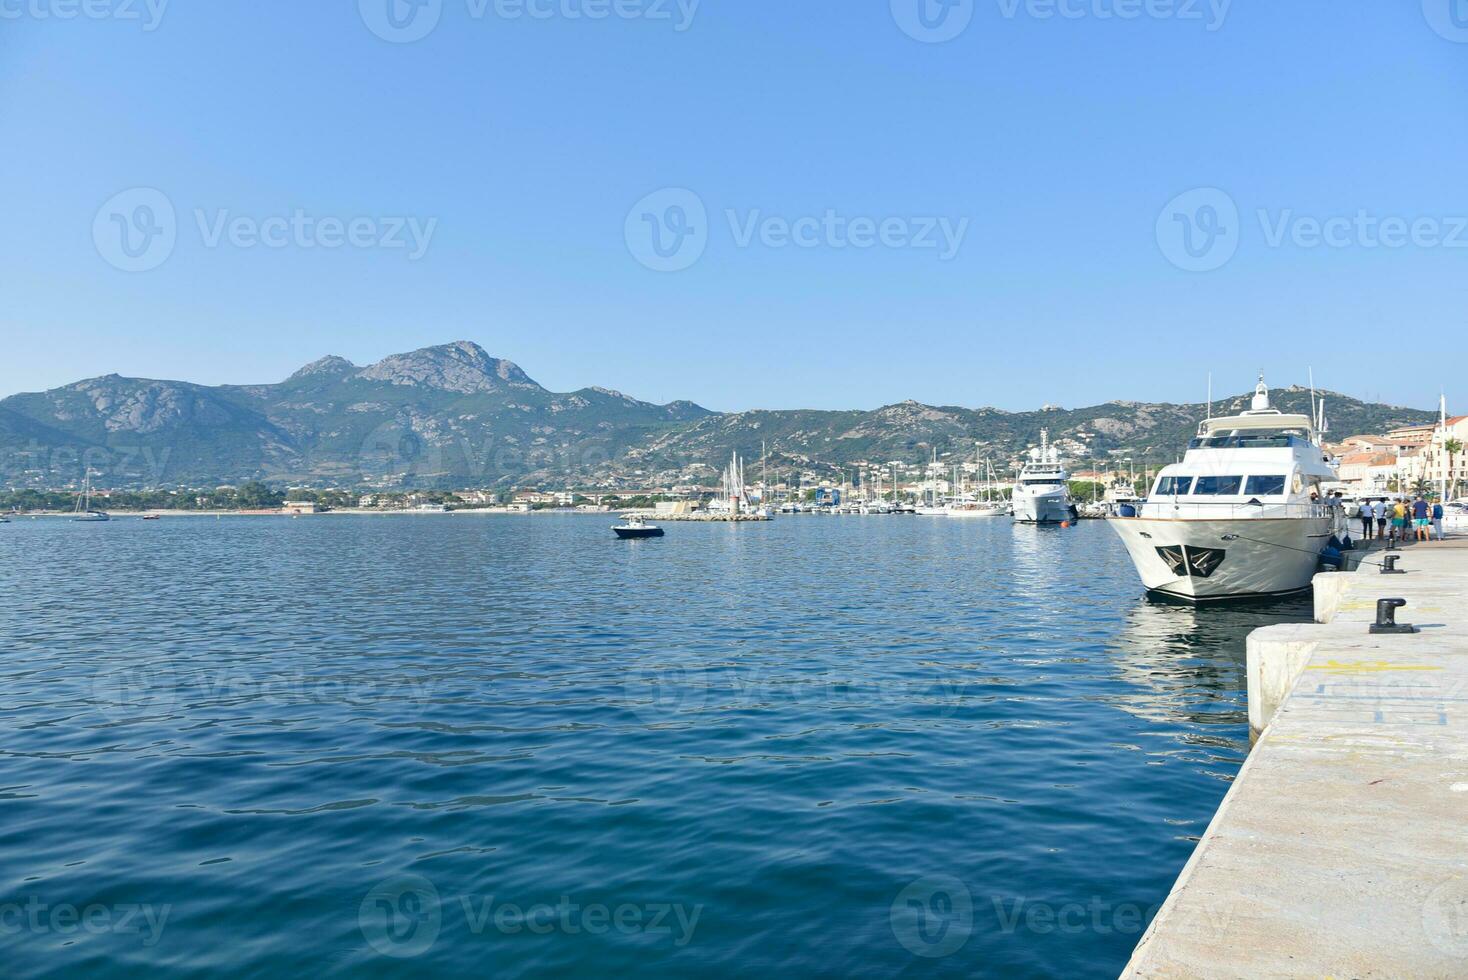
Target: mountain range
<point>454,416</point>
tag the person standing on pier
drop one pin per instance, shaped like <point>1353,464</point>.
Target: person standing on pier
<point>1437,519</point>
<point>1419,519</point>
<point>1379,512</point>
<point>1365,513</point>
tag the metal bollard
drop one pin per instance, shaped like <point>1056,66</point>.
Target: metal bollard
<point>1389,565</point>
<point>1386,617</point>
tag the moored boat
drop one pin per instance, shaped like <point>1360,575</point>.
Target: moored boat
<point>84,511</point>
<point>1041,495</point>
<point>1242,515</point>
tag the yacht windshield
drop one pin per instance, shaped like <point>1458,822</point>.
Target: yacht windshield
<point>1265,486</point>
<point>1173,486</point>
<point>1217,485</point>
<point>1250,440</point>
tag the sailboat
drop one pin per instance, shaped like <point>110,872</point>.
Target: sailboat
<point>84,511</point>
<point>932,506</point>
<point>967,506</point>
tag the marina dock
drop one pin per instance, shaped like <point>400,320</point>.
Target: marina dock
<point>1340,848</point>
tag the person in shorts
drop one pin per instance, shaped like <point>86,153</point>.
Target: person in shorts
<point>1378,511</point>
<point>1420,521</point>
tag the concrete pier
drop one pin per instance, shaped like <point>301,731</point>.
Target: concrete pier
<point>1342,847</point>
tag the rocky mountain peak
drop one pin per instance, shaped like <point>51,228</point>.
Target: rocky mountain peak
<point>330,364</point>
<point>462,366</point>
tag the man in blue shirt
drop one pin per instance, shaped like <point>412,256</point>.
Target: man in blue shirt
<point>1419,518</point>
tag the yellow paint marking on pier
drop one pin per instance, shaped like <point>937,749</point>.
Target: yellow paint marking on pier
<point>1366,666</point>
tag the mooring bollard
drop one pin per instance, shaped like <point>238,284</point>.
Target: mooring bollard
<point>1389,565</point>
<point>1386,617</point>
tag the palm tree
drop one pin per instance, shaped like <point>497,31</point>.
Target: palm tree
<point>1421,488</point>
<point>1453,447</point>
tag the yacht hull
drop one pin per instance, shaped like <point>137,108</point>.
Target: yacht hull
<point>1212,560</point>
<point>1043,508</point>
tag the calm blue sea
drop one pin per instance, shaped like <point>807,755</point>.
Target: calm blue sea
<point>515,746</point>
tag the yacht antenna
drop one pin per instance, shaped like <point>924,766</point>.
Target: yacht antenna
<point>1210,394</point>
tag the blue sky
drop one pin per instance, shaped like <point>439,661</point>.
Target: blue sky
<point>1074,160</point>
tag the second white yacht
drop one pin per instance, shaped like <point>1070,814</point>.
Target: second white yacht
<point>1041,495</point>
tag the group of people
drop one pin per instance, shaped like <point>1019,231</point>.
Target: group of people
<point>1424,520</point>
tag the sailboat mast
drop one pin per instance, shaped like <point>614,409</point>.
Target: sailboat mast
<point>1442,417</point>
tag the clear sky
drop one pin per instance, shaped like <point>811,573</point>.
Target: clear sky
<point>612,200</point>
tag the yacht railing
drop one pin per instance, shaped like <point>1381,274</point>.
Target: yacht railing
<point>1229,510</point>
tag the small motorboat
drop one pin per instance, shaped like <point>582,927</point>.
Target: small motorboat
<point>150,517</point>
<point>633,526</point>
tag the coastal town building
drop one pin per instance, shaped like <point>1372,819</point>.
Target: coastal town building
<point>1367,470</point>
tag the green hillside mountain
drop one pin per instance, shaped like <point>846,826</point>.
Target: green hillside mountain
<point>454,416</point>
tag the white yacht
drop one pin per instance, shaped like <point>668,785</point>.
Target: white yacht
<point>1041,495</point>
<point>1236,517</point>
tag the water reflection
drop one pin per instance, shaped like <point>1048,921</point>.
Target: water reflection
<point>1186,663</point>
